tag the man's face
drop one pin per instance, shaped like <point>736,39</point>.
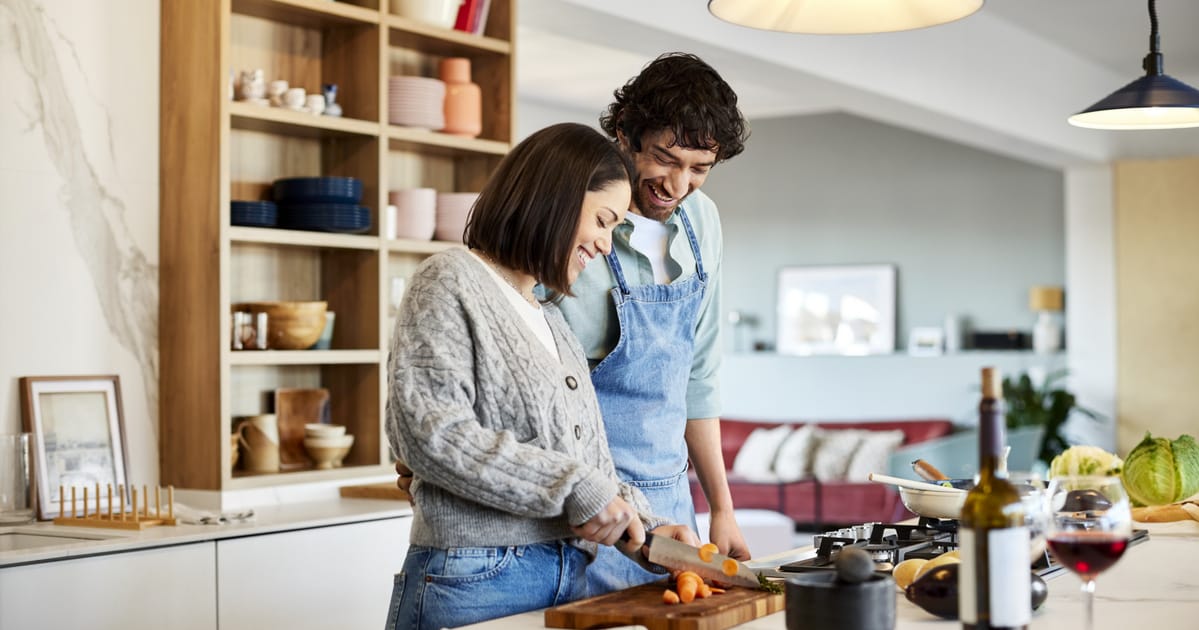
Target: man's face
<point>666,173</point>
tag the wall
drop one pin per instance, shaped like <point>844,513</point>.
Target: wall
<point>1157,297</point>
<point>969,231</point>
<point>79,204</point>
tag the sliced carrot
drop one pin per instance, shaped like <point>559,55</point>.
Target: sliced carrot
<point>715,590</point>
<point>706,551</point>
<point>704,591</point>
<point>729,567</point>
<point>670,597</point>
<point>688,584</point>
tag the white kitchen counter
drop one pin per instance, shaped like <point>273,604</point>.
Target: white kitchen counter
<point>77,542</point>
<point>1154,586</point>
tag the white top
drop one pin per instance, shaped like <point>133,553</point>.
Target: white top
<point>650,237</point>
<point>532,315</point>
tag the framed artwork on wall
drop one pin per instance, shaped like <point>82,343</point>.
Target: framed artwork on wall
<point>79,437</point>
<point>845,310</point>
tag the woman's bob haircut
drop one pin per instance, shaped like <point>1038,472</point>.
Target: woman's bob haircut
<point>527,216</point>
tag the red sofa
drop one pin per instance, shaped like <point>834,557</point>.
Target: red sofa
<point>809,501</point>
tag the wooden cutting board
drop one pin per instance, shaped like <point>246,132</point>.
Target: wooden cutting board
<point>385,490</point>
<point>643,605</point>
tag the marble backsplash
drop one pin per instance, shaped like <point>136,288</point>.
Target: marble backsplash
<point>79,204</point>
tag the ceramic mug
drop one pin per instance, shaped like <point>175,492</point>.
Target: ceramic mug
<point>316,103</point>
<point>259,439</point>
<point>294,98</point>
<point>277,90</point>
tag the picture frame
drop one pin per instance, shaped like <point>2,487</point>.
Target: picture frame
<point>78,432</point>
<point>926,341</point>
<point>836,309</point>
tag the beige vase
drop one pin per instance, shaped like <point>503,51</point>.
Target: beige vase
<point>463,99</point>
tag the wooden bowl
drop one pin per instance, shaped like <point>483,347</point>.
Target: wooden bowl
<point>328,452</point>
<point>290,325</point>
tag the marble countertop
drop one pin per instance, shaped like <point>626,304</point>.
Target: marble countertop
<point>51,542</point>
<point>1155,585</point>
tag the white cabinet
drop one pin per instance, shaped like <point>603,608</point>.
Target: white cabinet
<point>326,577</point>
<point>166,587</point>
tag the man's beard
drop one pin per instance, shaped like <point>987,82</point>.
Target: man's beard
<point>647,207</point>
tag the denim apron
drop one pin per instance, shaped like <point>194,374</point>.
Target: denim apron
<point>642,390</point>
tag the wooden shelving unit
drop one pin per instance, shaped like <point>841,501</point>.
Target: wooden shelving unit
<point>214,150</point>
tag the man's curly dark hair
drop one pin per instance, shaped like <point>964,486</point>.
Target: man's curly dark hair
<point>679,92</point>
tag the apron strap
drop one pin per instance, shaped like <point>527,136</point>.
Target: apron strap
<point>618,272</point>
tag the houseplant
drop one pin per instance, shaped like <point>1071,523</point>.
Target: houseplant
<point>1046,405</point>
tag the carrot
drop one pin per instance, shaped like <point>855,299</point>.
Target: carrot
<point>716,591</point>
<point>706,551</point>
<point>704,591</point>
<point>670,597</point>
<point>688,583</point>
<point>729,567</point>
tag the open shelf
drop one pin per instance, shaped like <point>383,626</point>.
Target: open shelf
<point>408,246</point>
<point>408,138</point>
<point>304,357</point>
<point>284,121</point>
<point>307,13</point>
<point>244,481</point>
<point>442,41</point>
<point>302,238</point>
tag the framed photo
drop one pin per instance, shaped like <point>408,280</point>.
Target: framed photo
<point>79,437</point>
<point>925,342</point>
<point>848,310</point>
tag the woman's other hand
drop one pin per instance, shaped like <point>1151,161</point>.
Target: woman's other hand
<point>609,523</point>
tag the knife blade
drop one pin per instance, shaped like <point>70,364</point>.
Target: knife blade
<point>672,554</point>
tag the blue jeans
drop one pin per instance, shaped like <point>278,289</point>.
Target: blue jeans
<point>447,588</point>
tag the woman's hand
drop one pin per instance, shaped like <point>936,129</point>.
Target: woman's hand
<point>606,526</point>
<point>404,481</point>
<point>681,533</point>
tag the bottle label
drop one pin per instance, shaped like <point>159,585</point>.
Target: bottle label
<point>1008,592</point>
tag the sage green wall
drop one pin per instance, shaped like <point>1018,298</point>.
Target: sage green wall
<point>969,231</point>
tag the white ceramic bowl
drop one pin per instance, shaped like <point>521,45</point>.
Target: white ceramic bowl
<point>932,503</point>
<point>441,13</point>
<point>319,430</point>
<point>328,452</point>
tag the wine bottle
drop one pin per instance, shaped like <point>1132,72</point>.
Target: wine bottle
<point>995,580</point>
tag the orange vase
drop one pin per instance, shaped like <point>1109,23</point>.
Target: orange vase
<point>463,99</point>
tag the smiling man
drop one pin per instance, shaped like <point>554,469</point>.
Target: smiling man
<point>648,315</point>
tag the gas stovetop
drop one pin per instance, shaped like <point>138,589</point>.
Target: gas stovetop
<point>892,543</point>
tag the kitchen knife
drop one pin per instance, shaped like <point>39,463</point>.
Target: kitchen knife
<point>672,554</point>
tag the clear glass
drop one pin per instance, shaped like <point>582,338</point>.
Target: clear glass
<point>16,483</point>
<point>1088,530</point>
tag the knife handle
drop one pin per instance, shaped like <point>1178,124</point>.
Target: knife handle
<point>624,537</point>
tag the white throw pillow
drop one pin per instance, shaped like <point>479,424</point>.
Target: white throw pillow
<point>872,454</point>
<point>794,459</point>
<point>756,458</point>
<point>832,455</point>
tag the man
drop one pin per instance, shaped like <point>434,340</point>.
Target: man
<point>648,315</point>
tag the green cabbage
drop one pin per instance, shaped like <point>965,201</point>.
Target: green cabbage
<point>1158,471</point>
<point>1084,460</point>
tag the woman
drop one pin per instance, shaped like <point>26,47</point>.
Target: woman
<point>490,402</point>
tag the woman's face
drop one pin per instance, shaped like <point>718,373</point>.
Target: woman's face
<point>603,210</point>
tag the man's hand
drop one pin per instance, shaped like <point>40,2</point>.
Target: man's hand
<point>404,481</point>
<point>725,533</point>
<point>606,527</point>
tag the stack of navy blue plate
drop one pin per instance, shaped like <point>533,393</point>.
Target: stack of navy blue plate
<point>253,213</point>
<point>325,204</point>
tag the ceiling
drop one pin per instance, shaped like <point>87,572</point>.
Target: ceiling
<point>1004,79</point>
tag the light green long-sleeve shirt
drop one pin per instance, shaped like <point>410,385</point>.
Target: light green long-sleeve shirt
<point>592,315</point>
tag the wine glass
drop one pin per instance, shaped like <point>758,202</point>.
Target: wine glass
<point>1089,527</point>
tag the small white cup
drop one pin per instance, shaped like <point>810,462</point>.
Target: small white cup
<point>316,103</point>
<point>294,98</point>
<point>276,90</point>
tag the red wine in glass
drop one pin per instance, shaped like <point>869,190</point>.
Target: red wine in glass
<point>1088,553</point>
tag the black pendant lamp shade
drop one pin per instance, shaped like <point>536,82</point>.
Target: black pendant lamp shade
<point>1154,101</point>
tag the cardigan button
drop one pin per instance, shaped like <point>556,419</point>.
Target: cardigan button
<point>578,432</point>
<point>571,382</point>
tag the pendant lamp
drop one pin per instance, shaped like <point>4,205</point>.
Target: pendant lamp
<point>1154,101</point>
<point>841,16</point>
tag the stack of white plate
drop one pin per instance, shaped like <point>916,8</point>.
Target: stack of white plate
<point>452,212</point>
<point>416,102</point>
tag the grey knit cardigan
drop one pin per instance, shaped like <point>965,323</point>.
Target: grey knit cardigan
<point>506,442</point>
